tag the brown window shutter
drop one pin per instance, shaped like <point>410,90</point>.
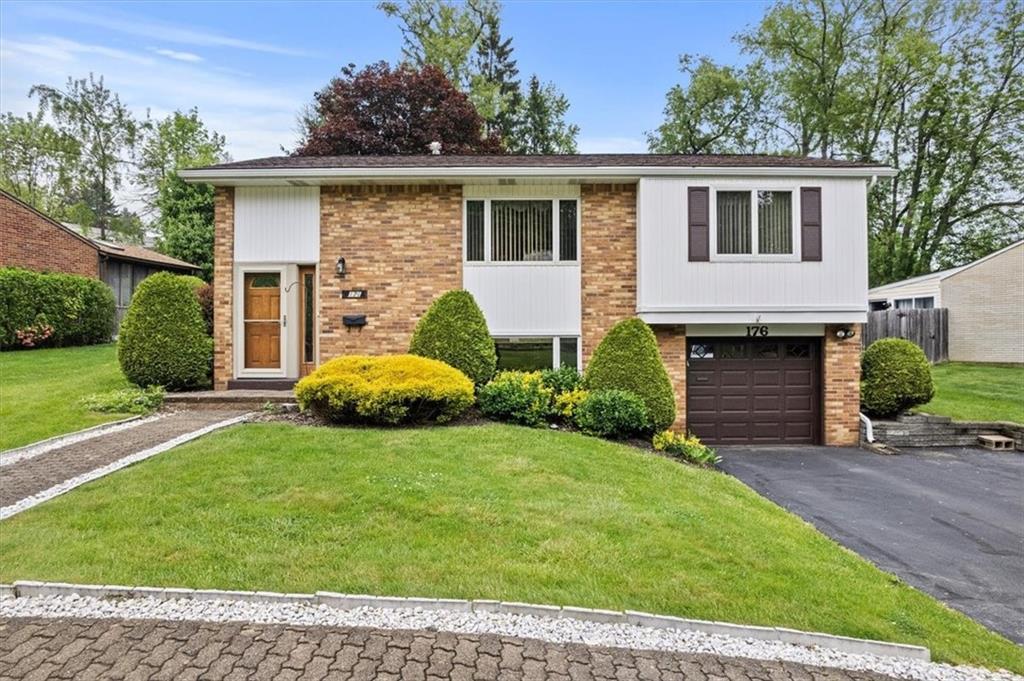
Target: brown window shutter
<point>810,224</point>
<point>697,219</point>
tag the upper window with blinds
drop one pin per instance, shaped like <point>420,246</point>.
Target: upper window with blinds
<point>516,230</point>
<point>755,222</point>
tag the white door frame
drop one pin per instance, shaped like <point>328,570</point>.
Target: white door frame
<point>239,316</point>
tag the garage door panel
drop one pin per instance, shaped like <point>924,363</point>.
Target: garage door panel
<point>755,390</point>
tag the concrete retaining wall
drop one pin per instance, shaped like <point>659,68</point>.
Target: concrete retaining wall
<point>925,430</point>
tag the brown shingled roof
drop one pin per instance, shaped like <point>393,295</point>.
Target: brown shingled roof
<point>542,161</point>
<point>140,254</point>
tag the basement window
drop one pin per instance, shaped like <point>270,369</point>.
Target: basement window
<point>536,353</point>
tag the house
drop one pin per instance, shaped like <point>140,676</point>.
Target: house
<point>33,240</point>
<point>752,270</point>
<point>985,299</point>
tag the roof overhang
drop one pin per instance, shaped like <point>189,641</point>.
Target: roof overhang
<point>464,175</point>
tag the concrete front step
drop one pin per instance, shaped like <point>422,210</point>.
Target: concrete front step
<point>233,399</point>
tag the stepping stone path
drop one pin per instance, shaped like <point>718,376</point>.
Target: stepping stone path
<point>77,648</point>
<point>31,476</point>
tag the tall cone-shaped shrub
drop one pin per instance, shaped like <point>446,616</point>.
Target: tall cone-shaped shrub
<point>627,358</point>
<point>454,331</point>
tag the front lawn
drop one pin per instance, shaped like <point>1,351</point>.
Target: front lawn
<point>473,512</point>
<point>978,392</point>
<point>41,391</point>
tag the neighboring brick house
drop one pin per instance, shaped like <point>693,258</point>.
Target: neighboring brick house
<point>32,240</point>
<point>985,300</point>
<point>752,270</point>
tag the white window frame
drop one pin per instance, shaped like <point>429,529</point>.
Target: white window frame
<point>556,342</point>
<point>556,243</point>
<point>754,256</point>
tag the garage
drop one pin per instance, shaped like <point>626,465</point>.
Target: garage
<point>754,390</point>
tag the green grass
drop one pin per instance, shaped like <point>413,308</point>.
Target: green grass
<point>473,512</point>
<point>978,392</point>
<point>41,391</point>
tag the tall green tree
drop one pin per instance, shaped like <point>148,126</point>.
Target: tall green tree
<point>183,212</point>
<point>38,163</point>
<point>86,110</point>
<point>542,128</point>
<point>495,89</point>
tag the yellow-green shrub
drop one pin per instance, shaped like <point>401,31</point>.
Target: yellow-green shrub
<point>518,397</point>
<point>687,447</point>
<point>568,402</point>
<point>390,389</point>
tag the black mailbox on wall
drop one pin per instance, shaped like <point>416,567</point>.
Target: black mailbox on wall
<point>357,321</point>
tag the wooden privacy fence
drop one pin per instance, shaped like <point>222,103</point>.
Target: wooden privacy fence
<point>927,328</point>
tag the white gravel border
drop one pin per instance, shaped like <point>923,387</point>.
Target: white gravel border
<point>13,456</point>
<point>78,480</point>
<point>549,623</point>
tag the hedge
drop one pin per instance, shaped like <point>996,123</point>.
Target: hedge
<point>454,331</point>
<point>895,376</point>
<point>517,397</point>
<point>79,310</point>
<point>163,337</point>
<point>627,358</point>
<point>391,389</point>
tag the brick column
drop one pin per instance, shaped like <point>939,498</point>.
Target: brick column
<point>223,284</point>
<point>608,259</point>
<point>672,346</point>
<point>841,385</point>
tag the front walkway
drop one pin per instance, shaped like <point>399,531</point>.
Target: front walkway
<point>946,520</point>
<point>66,648</point>
<point>59,469</point>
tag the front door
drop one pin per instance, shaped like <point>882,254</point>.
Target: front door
<point>262,320</point>
<point>307,325</point>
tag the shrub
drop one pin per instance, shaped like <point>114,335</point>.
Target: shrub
<point>687,447</point>
<point>612,413</point>
<point>454,331</point>
<point>77,310</point>
<point>562,380</point>
<point>163,337</point>
<point>517,397</point>
<point>205,296</point>
<point>567,404</point>
<point>895,376</point>
<point>389,389</point>
<point>627,358</point>
<point>132,400</point>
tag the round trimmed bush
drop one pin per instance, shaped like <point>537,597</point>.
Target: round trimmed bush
<point>163,337</point>
<point>627,358</point>
<point>391,389</point>
<point>78,310</point>
<point>454,331</point>
<point>518,397</point>
<point>612,413</point>
<point>895,376</point>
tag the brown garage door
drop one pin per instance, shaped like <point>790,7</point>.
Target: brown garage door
<point>745,391</point>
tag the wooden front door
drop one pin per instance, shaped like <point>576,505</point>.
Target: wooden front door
<point>262,320</point>
<point>307,323</point>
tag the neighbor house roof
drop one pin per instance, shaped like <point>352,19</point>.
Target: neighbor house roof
<point>941,274</point>
<point>123,251</point>
<point>614,165</point>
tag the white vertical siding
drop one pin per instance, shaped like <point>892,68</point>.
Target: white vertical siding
<point>669,283</point>
<point>526,300</point>
<point>277,224</point>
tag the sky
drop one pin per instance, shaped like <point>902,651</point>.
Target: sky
<point>249,66</point>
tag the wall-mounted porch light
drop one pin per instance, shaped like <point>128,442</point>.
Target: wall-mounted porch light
<point>844,332</point>
<point>340,269</point>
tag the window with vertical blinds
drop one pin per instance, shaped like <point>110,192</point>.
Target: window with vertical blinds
<point>774,222</point>
<point>474,230</point>
<point>567,230</point>
<point>733,223</point>
<point>754,222</point>
<point>521,231</point>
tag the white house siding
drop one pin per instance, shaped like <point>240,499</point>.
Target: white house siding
<point>919,287</point>
<point>986,309</point>
<point>277,224</point>
<point>526,299</point>
<point>673,290</point>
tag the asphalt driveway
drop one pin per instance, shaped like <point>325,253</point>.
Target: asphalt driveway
<point>947,521</point>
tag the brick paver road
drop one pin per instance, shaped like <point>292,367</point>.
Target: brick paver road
<point>31,476</point>
<point>85,649</point>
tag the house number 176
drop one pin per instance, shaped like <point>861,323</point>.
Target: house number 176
<point>753,331</point>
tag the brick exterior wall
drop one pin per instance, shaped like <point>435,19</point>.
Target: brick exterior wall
<point>672,345</point>
<point>841,388</point>
<point>403,244</point>
<point>223,285</point>
<point>31,241</point>
<point>608,259</point>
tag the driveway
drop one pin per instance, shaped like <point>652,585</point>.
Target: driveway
<point>947,521</point>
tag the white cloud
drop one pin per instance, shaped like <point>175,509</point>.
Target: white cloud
<point>158,31</point>
<point>611,145</point>
<point>180,56</point>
